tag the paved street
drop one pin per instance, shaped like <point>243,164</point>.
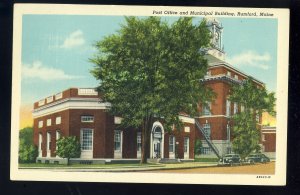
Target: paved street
<point>267,169</point>
<point>194,167</point>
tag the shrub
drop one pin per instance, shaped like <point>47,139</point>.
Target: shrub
<point>198,145</point>
<point>68,147</point>
<point>27,150</point>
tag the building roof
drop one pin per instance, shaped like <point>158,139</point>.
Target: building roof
<point>66,94</point>
<point>214,61</point>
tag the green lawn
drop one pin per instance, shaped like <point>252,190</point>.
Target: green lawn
<point>103,166</point>
<point>42,165</point>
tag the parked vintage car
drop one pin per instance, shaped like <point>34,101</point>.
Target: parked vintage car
<point>257,158</point>
<point>230,159</point>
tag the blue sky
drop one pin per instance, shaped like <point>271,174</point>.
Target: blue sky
<point>56,50</point>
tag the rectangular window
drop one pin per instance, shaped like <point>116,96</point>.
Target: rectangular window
<point>236,77</point>
<point>186,144</point>
<point>171,144</point>
<point>86,139</point>
<point>207,109</point>
<point>235,108</point>
<point>118,120</point>
<point>228,73</point>
<point>48,141</point>
<point>58,120</point>
<point>40,124</point>
<point>48,122</point>
<point>187,129</point>
<point>139,141</point>
<point>228,107</point>
<point>207,132</point>
<point>87,119</point>
<point>205,150</point>
<point>118,141</point>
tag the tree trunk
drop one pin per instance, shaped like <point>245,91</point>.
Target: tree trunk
<point>144,146</point>
<point>146,131</point>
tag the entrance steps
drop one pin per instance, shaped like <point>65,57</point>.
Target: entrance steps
<point>164,160</point>
<point>170,160</point>
<point>153,160</point>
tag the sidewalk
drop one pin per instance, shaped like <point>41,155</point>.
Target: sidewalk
<point>109,168</point>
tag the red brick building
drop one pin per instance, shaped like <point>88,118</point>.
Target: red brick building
<point>215,120</point>
<point>82,113</point>
<point>268,138</point>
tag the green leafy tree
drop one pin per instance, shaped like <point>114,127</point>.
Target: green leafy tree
<point>150,70</point>
<point>246,134</point>
<point>198,146</point>
<point>27,150</point>
<point>68,147</point>
<point>255,99</point>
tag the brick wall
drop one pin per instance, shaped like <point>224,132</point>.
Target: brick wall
<point>270,142</point>
<point>129,143</point>
<point>218,128</point>
<point>63,128</point>
<point>98,126</point>
<point>109,135</point>
<point>179,137</point>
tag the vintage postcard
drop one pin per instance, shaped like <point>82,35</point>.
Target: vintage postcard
<point>149,94</point>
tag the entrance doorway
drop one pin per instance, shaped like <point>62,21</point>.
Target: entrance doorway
<point>157,141</point>
<point>186,147</point>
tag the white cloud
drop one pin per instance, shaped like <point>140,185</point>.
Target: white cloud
<point>251,58</point>
<point>75,39</point>
<point>37,70</point>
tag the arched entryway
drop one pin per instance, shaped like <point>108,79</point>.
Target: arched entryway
<point>157,141</point>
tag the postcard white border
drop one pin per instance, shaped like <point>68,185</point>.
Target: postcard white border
<point>139,177</point>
